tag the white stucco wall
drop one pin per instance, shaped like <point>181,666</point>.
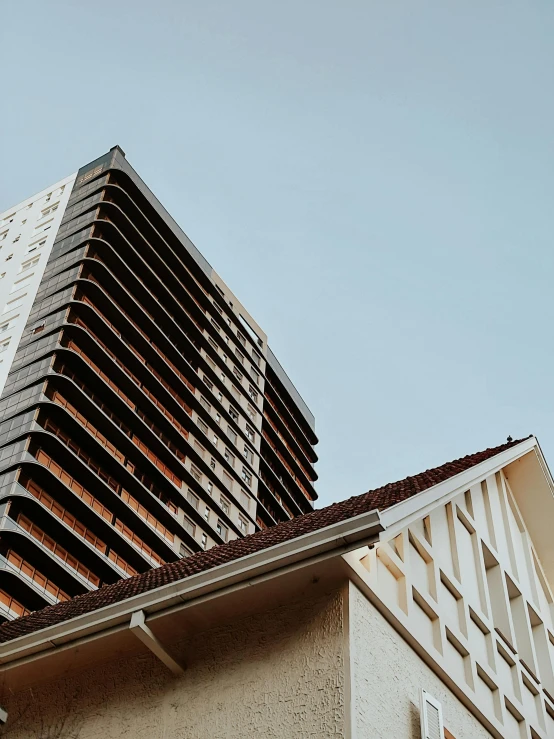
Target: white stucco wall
<point>278,674</point>
<point>386,677</point>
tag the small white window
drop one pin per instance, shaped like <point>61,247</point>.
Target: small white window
<point>245,500</point>
<point>204,541</point>
<point>4,345</point>
<point>225,505</point>
<point>431,723</point>
<point>243,525</point>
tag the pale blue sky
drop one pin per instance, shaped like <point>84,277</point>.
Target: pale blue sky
<point>374,180</point>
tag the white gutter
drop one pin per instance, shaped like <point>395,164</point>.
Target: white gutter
<point>338,538</point>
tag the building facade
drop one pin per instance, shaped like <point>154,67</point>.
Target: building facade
<point>423,609</point>
<point>143,416</point>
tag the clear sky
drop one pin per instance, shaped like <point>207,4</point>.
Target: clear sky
<point>374,180</point>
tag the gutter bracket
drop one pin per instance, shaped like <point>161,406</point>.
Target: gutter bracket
<point>139,628</point>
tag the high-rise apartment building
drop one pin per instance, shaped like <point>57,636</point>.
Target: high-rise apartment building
<point>143,416</point>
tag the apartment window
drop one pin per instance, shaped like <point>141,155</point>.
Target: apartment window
<point>35,246</point>
<point>230,433</point>
<point>237,373</point>
<point>202,426</point>
<point>247,476</point>
<point>207,514</point>
<point>199,449</point>
<point>226,338</point>
<point>225,358</point>
<point>213,344</point>
<point>184,551</point>
<point>39,328</point>
<point>240,356</point>
<point>210,487</point>
<point>29,263</point>
<point>243,524</point>
<point>250,434</point>
<point>218,308</point>
<point>204,541</point>
<point>249,454</point>
<point>192,499</point>
<point>189,526</point>
<point>222,530</point>
<point>241,338</point>
<point>215,440</point>
<point>220,397</point>
<point>211,362</point>
<point>245,500</point>
<point>233,413</point>
<point>216,326</point>
<point>212,463</point>
<point>4,345</point>
<point>204,403</point>
<point>218,418</point>
<point>208,382</point>
<point>229,457</point>
<point>195,472</point>
<point>236,393</point>
<point>10,256</point>
<point>251,413</point>
<point>256,376</point>
<point>8,324</point>
<point>3,235</point>
<point>227,481</point>
<point>17,238</point>
<point>225,505</point>
<point>253,393</point>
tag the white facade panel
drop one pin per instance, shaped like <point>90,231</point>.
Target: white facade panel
<point>465,587</point>
<point>27,233</point>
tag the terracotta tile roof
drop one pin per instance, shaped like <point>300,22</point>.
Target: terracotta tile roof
<point>381,498</point>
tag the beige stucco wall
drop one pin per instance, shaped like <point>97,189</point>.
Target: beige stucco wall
<point>276,674</point>
<point>386,677</point>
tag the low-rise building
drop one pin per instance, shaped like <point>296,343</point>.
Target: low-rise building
<point>422,608</point>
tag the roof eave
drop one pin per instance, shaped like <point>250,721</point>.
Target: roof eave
<point>333,540</point>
